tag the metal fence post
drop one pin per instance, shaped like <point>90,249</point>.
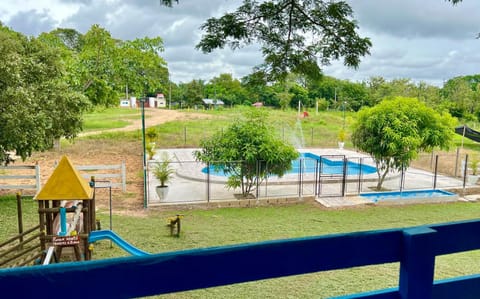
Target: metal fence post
<point>435,174</point>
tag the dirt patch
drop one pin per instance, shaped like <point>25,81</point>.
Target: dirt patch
<point>96,152</point>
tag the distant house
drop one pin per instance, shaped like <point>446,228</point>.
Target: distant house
<point>209,103</point>
<point>160,101</point>
<point>257,104</point>
<point>129,103</point>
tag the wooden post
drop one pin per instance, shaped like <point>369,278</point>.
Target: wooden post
<point>417,263</point>
<point>41,216</point>
<point>19,215</point>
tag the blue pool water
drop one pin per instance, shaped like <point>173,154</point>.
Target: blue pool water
<point>308,163</point>
<point>407,195</point>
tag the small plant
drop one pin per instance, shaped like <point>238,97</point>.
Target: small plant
<point>341,135</point>
<point>151,134</point>
<point>163,171</point>
<point>474,163</point>
<point>150,148</point>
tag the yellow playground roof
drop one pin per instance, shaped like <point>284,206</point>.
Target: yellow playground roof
<point>65,183</point>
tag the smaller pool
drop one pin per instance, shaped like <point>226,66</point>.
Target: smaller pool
<point>411,195</point>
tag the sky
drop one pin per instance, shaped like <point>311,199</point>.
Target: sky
<point>426,41</point>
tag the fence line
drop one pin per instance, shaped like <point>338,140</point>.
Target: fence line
<point>22,249</point>
<point>115,179</point>
<point>428,172</point>
<point>30,177</point>
<point>120,175</point>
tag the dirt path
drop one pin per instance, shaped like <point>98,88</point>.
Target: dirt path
<point>153,117</point>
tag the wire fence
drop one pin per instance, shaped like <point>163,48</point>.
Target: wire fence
<point>311,177</point>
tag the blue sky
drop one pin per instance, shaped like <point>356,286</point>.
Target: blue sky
<point>429,40</point>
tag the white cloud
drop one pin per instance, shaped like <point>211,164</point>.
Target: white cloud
<point>428,40</point>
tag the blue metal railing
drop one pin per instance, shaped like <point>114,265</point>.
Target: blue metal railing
<point>414,248</point>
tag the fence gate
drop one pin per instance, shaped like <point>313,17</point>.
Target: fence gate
<point>331,176</point>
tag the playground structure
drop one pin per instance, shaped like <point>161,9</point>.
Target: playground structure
<point>66,207</point>
<point>66,192</point>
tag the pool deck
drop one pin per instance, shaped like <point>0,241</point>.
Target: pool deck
<point>188,185</point>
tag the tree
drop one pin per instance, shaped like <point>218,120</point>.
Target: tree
<point>139,66</point>
<point>248,151</point>
<point>295,35</point>
<point>36,106</point>
<point>192,93</point>
<point>394,131</point>
<point>460,98</point>
<point>227,89</point>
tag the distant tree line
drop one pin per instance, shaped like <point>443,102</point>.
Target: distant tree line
<point>460,96</point>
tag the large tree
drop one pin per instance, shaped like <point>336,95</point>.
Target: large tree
<point>394,131</point>
<point>36,106</point>
<point>104,68</point>
<point>248,151</point>
<point>295,35</point>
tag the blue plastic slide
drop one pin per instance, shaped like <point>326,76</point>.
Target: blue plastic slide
<point>110,235</point>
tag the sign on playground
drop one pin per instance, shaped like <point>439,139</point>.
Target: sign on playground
<point>66,241</point>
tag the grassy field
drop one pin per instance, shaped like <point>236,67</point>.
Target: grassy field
<point>216,227</point>
<point>109,118</point>
<point>204,228</point>
<point>319,129</point>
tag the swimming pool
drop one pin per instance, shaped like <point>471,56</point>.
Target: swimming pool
<point>307,162</point>
<point>327,166</point>
<point>410,196</point>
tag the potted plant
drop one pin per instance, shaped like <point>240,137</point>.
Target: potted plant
<point>474,163</point>
<point>341,139</point>
<point>163,172</point>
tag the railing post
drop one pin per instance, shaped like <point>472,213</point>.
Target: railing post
<point>417,263</point>
<point>124,177</point>
<point>38,182</point>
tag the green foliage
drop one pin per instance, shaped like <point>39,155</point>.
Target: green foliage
<point>248,151</point>
<point>284,99</point>
<point>163,170</point>
<point>226,88</point>
<point>101,67</point>
<point>322,104</point>
<point>341,135</point>
<point>36,105</point>
<point>150,148</point>
<point>285,28</point>
<point>394,131</point>
<point>151,134</point>
<point>474,163</point>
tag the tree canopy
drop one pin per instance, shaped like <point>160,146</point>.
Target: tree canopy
<point>248,151</point>
<point>295,35</point>
<point>36,105</point>
<point>394,131</point>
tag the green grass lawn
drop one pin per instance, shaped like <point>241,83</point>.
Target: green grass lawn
<point>110,118</point>
<point>319,129</point>
<point>216,227</point>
